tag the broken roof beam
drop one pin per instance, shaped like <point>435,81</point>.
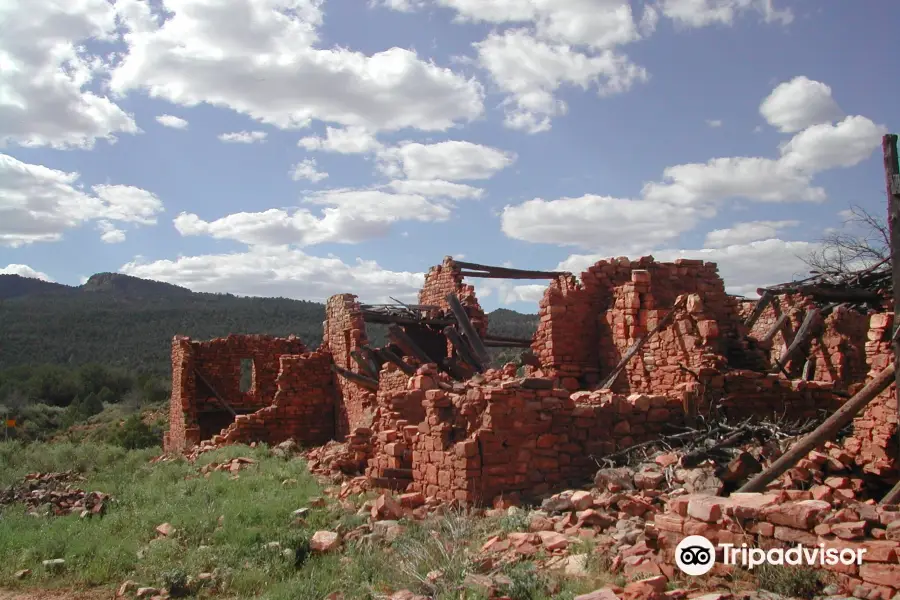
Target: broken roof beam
<point>830,294</point>
<point>366,382</point>
<point>369,368</point>
<point>370,316</point>
<point>804,334</point>
<point>463,349</point>
<point>475,270</point>
<point>391,357</point>
<point>468,329</point>
<point>506,344</point>
<point>402,339</point>
<point>764,300</point>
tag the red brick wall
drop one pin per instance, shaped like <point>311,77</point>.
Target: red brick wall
<point>874,439</point>
<point>444,279</point>
<point>303,408</point>
<point>192,408</point>
<point>345,331</point>
<point>586,328</point>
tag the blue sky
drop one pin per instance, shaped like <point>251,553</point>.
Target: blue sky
<point>303,147</point>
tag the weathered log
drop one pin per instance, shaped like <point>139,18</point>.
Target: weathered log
<point>892,181</point>
<point>465,370</point>
<point>893,496</point>
<point>375,361</point>
<point>215,393</point>
<point>408,345</point>
<point>761,305</point>
<point>505,275</point>
<point>367,369</point>
<point>366,382</point>
<point>468,329</point>
<point>774,329</point>
<point>506,344</point>
<point>809,369</point>
<point>807,328</point>
<point>824,432</point>
<point>832,294</point>
<point>509,272</point>
<point>370,316</point>
<point>640,343</point>
<point>463,349</point>
<point>391,357</point>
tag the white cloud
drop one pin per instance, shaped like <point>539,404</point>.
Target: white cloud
<point>346,140</point>
<point>399,5</point>
<point>744,233</point>
<point>531,71</point>
<point>599,24</point>
<point>111,234</point>
<point>701,13</point>
<point>451,160</point>
<point>435,188</point>
<point>798,104</point>
<point>172,121</point>
<point>714,122</point>
<point>753,178</point>
<point>38,204</point>
<point>349,216</point>
<point>258,58</point>
<point>306,169</point>
<point>597,222</point>
<point>280,271</point>
<point>24,271</point>
<point>45,74</point>
<point>826,146</point>
<point>743,267</point>
<point>243,137</point>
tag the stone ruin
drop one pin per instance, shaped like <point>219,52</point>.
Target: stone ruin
<point>620,354</point>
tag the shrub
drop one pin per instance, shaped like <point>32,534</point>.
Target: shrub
<point>134,434</point>
<point>801,582</point>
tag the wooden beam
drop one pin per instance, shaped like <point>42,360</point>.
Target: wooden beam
<point>366,382</point>
<point>809,369</point>
<point>775,328</point>
<point>824,432</point>
<point>454,364</point>
<point>503,338</point>
<point>502,344</point>
<point>375,361</point>
<point>803,334</point>
<point>367,368</point>
<point>465,351</point>
<point>370,316</point>
<point>505,275</point>
<point>761,305</point>
<point>640,343</point>
<point>408,345</point>
<point>521,272</point>
<point>217,395</point>
<point>830,294</point>
<point>893,496</point>
<point>468,329</point>
<point>391,357</point>
<point>892,183</point>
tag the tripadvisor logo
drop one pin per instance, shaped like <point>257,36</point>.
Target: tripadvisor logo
<point>696,555</point>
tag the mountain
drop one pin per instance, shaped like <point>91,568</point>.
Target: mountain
<point>128,322</point>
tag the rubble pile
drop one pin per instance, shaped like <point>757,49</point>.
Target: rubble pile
<point>54,494</point>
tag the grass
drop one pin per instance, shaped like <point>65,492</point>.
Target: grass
<point>797,582</point>
<point>227,527</point>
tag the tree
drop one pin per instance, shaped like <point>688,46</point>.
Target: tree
<point>862,243</point>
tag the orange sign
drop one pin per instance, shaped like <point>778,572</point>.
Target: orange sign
<point>10,422</point>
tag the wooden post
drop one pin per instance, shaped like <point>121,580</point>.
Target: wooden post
<point>366,382</point>
<point>775,328</point>
<point>465,352</point>
<point>398,336</point>
<point>892,496</point>
<point>640,343</point>
<point>892,180</point>
<point>804,333</point>
<point>389,356</point>
<point>468,329</point>
<point>824,432</point>
<point>761,305</point>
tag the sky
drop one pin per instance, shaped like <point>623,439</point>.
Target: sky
<point>303,148</point>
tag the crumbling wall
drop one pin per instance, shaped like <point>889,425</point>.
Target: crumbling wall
<point>397,416</point>
<point>837,347</point>
<point>445,279</point>
<point>586,328</point>
<point>303,408</point>
<point>345,332</point>
<point>738,395</point>
<point>195,412</point>
<point>874,439</point>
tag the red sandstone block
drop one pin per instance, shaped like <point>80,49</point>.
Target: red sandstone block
<point>801,514</point>
<point>880,574</point>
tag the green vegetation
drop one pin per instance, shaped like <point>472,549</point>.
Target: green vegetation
<point>48,399</point>
<point>128,323</point>
<point>238,529</point>
<point>796,582</point>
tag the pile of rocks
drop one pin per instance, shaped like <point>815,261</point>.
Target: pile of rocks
<point>232,466</point>
<point>53,494</point>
